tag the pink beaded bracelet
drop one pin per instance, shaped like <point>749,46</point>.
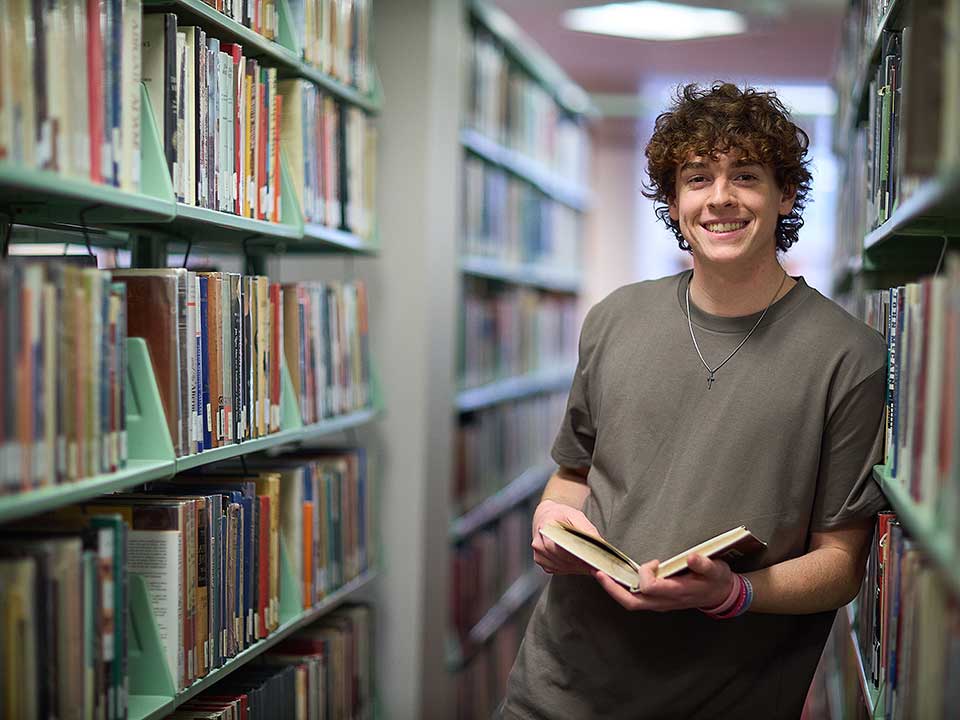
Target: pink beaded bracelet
<point>728,602</point>
<point>744,597</point>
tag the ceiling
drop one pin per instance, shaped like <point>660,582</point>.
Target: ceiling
<point>787,40</point>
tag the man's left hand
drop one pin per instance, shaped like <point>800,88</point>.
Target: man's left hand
<point>706,585</point>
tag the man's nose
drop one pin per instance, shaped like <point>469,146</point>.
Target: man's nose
<point>722,194</point>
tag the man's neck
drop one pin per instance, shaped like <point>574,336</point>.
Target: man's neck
<point>735,292</point>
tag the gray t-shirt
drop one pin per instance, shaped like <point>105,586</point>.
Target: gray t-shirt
<point>783,443</point>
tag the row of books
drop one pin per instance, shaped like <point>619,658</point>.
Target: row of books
<point>326,343</point>
<point>323,672</point>
<point>219,113</point>
<point>63,622</point>
<point>861,25</point>
<point>909,132</point>
<point>510,220</point>
<point>496,445</point>
<point>921,324</point>
<point>85,123</point>
<point>507,105</point>
<point>485,565</point>
<point>261,16</point>
<point>62,370</point>
<point>335,38</point>
<point>332,151</point>
<point>482,684</point>
<point>908,628</point>
<point>509,331</point>
<point>215,344</point>
<point>208,547</point>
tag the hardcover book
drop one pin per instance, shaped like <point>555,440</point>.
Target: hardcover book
<point>603,556</point>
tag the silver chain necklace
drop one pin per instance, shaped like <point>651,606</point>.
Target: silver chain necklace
<point>711,372</point>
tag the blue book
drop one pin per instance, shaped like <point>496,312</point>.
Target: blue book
<point>205,366</point>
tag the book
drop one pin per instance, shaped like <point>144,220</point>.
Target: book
<point>603,556</point>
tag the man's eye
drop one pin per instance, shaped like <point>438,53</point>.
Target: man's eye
<point>696,179</point>
<point>747,177</point>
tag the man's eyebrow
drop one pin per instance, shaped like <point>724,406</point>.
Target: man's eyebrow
<point>693,165</point>
<point>746,162</point>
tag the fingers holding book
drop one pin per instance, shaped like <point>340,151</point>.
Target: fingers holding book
<point>706,585</point>
<point>546,553</point>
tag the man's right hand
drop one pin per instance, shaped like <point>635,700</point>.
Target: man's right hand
<point>546,553</point>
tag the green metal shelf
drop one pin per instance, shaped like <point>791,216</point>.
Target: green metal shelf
<point>530,482</point>
<point>534,60</point>
<point>280,52</point>
<point>44,194</point>
<point>517,595</point>
<point>212,226</point>
<point>929,213</point>
<point>514,388</point>
<point>48,197</point>
<point>921,523</point>
<point>320,238</point>
<point>872,698</point>
<point>152,707</point>
<point>40,500</point>
<point>521,274</point>
<point>371,103</point>
<point>525,168</point>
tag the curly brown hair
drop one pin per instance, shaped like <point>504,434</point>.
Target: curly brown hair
<point>713,121</point>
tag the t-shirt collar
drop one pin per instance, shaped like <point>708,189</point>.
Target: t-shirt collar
<point>742,323</point>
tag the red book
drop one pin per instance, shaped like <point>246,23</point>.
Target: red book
<point>276,350</point>
<point>262,147</point>
<point>263,565</point>
<point>308,585</point>
<point>95,88</point>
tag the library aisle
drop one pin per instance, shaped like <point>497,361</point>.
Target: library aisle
<point>290,300</point>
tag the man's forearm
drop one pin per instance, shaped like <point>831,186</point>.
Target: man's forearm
<point>567,486</point>
<point>824,579</point>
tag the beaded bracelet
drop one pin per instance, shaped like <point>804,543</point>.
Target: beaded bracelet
<point>728,601</point>
<point>742,604</point>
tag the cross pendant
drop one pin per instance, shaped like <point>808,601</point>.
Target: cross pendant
<point>710,380</point>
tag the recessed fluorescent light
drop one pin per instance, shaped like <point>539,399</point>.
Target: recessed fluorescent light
<point>654,21</point>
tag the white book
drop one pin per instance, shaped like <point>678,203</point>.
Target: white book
<point>230,138</point>
<point>79,160</point>
<point>157,556</point>
<point>130,71</point>
<point>190,116</point>
<point>224,65</point>
<point>23,103</point>
<point>179,166</point>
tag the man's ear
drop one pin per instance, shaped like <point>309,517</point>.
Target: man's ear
<point>787,198</point>
<point>674,210</point>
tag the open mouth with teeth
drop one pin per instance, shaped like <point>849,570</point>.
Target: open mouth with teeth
<point>721,228</point>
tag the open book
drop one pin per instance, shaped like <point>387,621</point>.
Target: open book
<point>600,554</point>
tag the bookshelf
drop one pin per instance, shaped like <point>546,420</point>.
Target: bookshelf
<point>525,194</point>
<point>149,222</point>
<point>899,63</point>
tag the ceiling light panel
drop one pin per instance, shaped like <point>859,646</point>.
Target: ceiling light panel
<point>654,21</point>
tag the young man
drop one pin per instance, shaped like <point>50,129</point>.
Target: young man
<point>729,395</point>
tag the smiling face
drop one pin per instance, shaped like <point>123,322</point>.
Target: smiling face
<point>727,208</point>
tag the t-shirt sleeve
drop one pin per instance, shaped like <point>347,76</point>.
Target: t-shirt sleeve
<point>573,446</point>
<point>852,445</point>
